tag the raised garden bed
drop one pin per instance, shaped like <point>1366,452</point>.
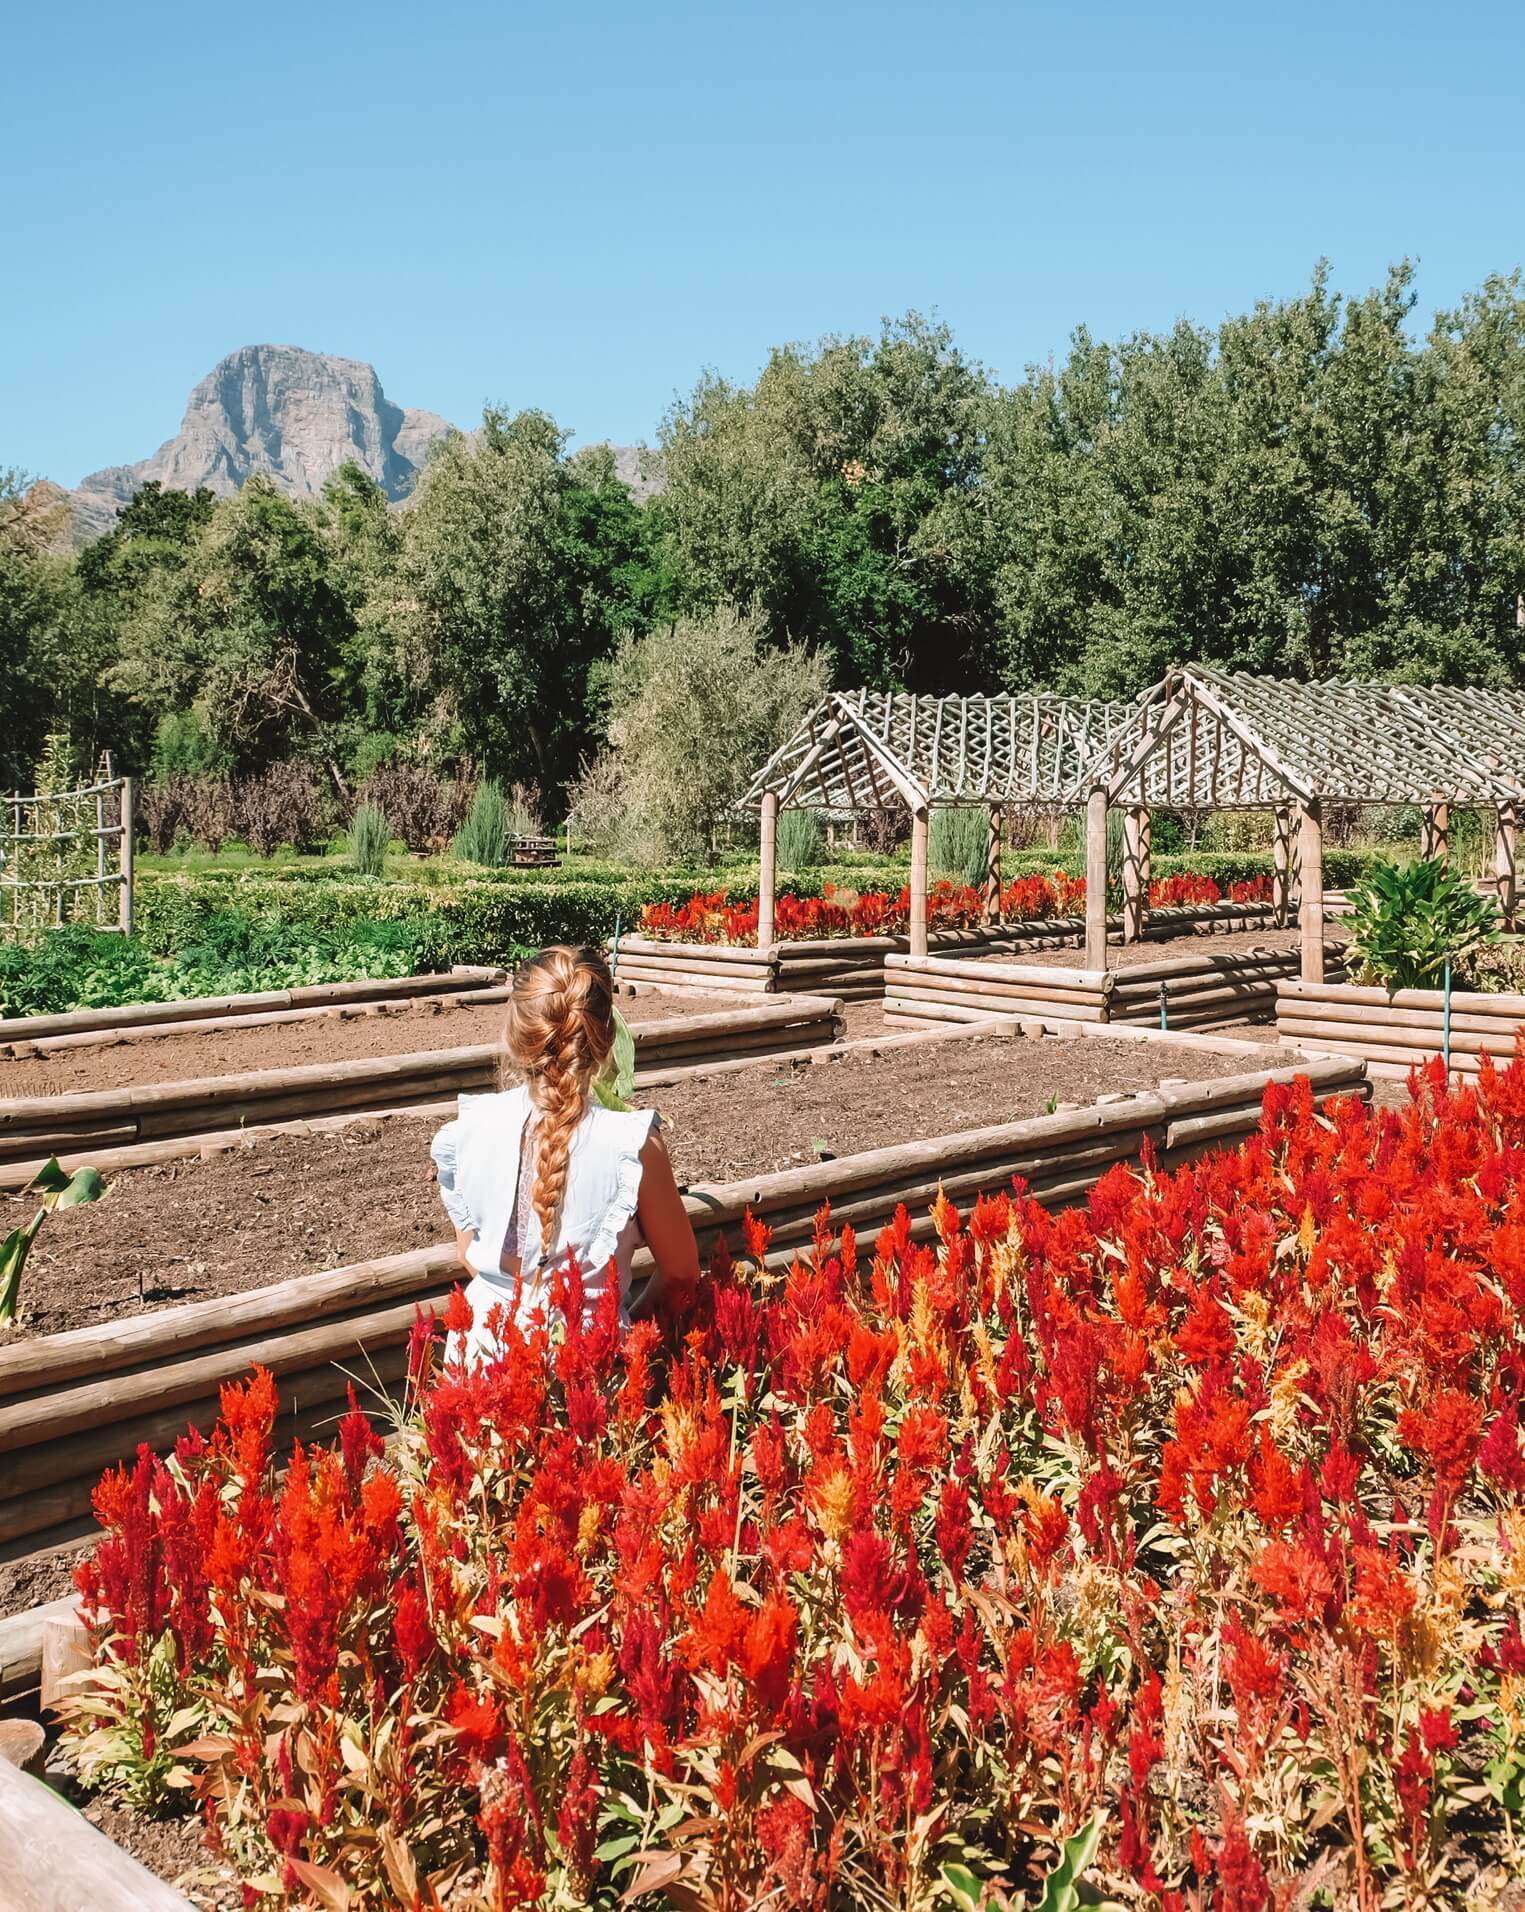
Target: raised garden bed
<point>856,967</point>
<point>144,1018</point>
<point>1394,1033</point>
<point>71,1403</point>
<point>1234,978</point>
<point>137,1121</point>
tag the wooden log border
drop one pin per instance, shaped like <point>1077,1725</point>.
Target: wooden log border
<point>72,1404</point>
<point>137,1019</point>
<point>856,968</point>
<point>78,1127</point>
<point>1395,1033</point>
<point>1202,989</point>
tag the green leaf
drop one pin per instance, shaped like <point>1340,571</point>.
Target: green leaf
<point>1060,1893</point>
<point>613,1088</point>
<point>963,1888</point>
<point>84,1185</point>
<point>49,1179</point>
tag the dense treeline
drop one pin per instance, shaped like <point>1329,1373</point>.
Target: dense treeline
<point>1307,488</point>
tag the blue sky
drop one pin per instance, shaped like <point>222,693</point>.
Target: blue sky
<point>578,207</point>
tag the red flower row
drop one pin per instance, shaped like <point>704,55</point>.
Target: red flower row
<point>717,917</point>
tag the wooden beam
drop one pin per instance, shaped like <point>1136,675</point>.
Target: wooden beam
<point>1136,844</point>
<point>767,871</point>
<point>991,913</point>
<point>1436,841</point>
<point>124,914</point>
<point>920,831</point>
<point>1281,856</point>
<point>1311,863</point>
<point>56,1861</point>
<point>1096,880</point>
<point>1504,844</point>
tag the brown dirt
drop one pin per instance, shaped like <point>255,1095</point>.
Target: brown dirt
<point>293,1203</point>
<point>343,1036</point>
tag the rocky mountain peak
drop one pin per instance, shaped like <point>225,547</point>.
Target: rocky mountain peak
<point>291,414</point>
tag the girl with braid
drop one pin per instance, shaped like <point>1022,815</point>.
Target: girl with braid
<point>541,1171</point>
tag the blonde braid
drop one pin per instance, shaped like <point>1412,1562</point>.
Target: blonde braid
<point>560,1031</point>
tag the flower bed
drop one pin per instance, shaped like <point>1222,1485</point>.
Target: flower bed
<point>718,917</point>
<point>1177,1543</point>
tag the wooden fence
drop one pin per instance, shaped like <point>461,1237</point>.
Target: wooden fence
<point>1394,1033</point>
<point>66,857</point>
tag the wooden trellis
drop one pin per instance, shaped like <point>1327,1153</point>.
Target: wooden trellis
<point>66,857</point>
<point>1201,740</point>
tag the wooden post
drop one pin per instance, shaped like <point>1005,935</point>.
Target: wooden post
<point>767,870</point>
<point>1135,874</point>
<point>1281,856</point>
<point>920,830</point>
<point>56,1861</point>
<point>1096,880</point>
<point>125,915</point>
<point>1504,860</point>
<point>1435,843</point>
<point>1311,861</point>
<point>991,913</point>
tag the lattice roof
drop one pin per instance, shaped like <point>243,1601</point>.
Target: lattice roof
<point>868,750</point>
<point>1221,740</point>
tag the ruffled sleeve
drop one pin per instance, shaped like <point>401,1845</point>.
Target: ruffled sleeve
<point>444,1149</point>
<point>636,1127</point>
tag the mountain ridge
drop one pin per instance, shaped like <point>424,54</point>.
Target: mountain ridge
<point>294,416</point>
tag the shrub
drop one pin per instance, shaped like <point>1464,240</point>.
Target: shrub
<point>422,807</point>
<point>1173,1543</point>
<point>1407,921</point>
<point>486,835</point>
<point>286,804</point>
<point>957,839</point>
<point>800,842</point>
<point>369,839</point>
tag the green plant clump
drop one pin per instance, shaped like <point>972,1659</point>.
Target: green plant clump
<point>369,839</point>
<point>1408,920</point>
<point>801,845</point>
<point>486,835</point>
<point>956,843</point>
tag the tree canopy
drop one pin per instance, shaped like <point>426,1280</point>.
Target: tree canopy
<point>1308,487</point>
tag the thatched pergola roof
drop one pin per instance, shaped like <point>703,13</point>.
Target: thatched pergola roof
<point>874,750</point>
<point>1224,740</point>
<point>1203,739</point>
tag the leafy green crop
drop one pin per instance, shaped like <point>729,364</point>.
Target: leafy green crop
<point>55,1190</point>
<point>1407,921</point>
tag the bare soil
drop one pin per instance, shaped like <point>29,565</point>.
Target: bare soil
<point>350,1034</point>
<point>292,1203</point>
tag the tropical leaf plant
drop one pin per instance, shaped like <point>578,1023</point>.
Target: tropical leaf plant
<point>1408,920</point>
<point>57,1190</point>
<point>614,1086</point>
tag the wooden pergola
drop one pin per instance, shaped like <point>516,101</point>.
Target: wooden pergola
<point>1201,740</point>
<point>1209,740</point>
<point>865,750</point>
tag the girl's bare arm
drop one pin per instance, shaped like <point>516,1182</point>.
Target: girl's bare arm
<point>664,1223</point>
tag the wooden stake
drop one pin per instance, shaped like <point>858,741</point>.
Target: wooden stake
<point>1096,880</point>
<point>56,1861</point>
<point>1437,832</point>
<point>1136,845</point>
<point>920,830</point>
<point>767,870</point>
<point>125,912</point>
<point>991,913</point>
<point>1281,881</point>
<point>1311,863</point>
<point>1504,861</point>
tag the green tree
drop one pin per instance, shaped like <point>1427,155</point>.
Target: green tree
<point>519,569</point>
<point>250,631</point>
<point>833,495</point>
<point>693,708</point>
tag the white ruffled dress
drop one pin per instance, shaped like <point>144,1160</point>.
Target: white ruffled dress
<point>477,1157</point>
